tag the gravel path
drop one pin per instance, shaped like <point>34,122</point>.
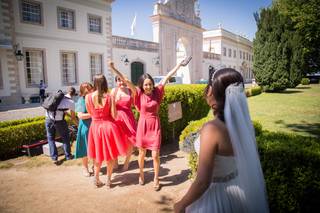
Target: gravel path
<point>51,188</point>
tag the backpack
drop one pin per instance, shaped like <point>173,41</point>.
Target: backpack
<point>52,102</point>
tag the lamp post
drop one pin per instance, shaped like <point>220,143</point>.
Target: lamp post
<point>18,53</point>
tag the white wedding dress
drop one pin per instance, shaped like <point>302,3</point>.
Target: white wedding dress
<point>224,194</point>
<point>237,183</point>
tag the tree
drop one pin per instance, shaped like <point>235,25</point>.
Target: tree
<point>277,50</point>
<point>305,17</point>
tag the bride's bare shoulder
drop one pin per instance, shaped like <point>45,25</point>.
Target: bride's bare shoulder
<point>215,124</point>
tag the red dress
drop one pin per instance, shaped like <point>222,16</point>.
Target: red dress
<point>148,129</point>
<point>106,141</point>
<point>125,118</point>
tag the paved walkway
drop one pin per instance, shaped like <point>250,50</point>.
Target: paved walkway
<point>20,111</point>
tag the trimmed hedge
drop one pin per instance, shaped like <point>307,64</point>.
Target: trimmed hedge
<point>13,134</point>
<point>305,81</point>
<point>252,91</point>
<point>17,122</point>
<point>13,137</point>
<point>193,107</point>
<point>290,164</point>
<point>291,169</point>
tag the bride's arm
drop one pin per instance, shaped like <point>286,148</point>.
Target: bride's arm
<point>208,149</point>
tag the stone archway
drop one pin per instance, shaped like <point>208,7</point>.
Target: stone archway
<point>175,21</point>
<point>181,53</point>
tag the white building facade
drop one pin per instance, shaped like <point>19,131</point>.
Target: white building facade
<point>67,42</point>
<point>64,43</point>
<point>235,51</point>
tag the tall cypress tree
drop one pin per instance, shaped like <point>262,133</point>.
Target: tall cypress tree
<point>277,51</point>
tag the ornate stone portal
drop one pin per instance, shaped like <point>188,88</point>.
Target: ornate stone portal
<point>177,29</point>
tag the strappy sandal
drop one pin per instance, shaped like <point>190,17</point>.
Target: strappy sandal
<point>97,183</point>
<point>85,172</point>
<point>108,184</point>
<point>141,181</point>
<point>156,185</point>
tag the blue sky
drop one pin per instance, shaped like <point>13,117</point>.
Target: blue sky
<point>234,15</point>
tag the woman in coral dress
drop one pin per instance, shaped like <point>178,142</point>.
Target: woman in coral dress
<point>125,118</point>
<point>106,141</point>
<point>83,127</point>
<point>148,99</point>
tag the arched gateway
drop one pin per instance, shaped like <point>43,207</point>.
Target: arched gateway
<point>177,29</point>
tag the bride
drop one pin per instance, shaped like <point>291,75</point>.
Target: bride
<point>229,176</point>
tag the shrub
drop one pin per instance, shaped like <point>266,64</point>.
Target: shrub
<point>256,90</point>
<point>13,137</point>
<point>305,81</point>
<point>252,91</point>
<point>16,122</point>
<point>291,169</point>
<point>193,107</point>
<point>14,134</point>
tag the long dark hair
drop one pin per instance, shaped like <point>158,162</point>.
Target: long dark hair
<point>100,85</point>
<point>142,78</point>
<point>219,83</point>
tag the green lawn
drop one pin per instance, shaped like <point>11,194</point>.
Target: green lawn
<point>294,110</point>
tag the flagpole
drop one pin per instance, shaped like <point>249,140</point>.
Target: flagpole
<point>133,25</point>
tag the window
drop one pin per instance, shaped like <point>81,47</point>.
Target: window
<point>68,60</point>
<point>234,53</point>
<point>95,64</point>
<point>247,56</point>
<point>94,23</point>
<point>224,51</point>
<point>34,68</point>
<point>229,52</point>
<point>31,12</point>
<point>66,18</point>
<point>240,54</point>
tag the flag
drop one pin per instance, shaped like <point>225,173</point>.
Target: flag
<point>133,25</point>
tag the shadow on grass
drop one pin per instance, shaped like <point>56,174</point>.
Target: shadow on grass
<point>311,129</point>
<point>303,87</point>
<point>290,92</point>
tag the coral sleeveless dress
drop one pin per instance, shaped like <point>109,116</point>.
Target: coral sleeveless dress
<point>125,118</point>
<point>148,129</point>
<point>106,141</point>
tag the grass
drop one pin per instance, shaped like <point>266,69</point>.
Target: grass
<point>294,110</point>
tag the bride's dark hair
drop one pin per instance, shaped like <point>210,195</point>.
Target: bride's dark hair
<point>219,81</point>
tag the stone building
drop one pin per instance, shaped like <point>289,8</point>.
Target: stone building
<point>67,42</point>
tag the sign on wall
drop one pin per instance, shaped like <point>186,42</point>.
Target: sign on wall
<point>174,111</point>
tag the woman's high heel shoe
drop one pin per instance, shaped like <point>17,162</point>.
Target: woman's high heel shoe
<point>156,185</point>
<point>108,184</point>
<point>97,183</point>
<point>141,181</point>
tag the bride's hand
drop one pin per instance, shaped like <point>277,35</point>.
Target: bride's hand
<point>178,208</point>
